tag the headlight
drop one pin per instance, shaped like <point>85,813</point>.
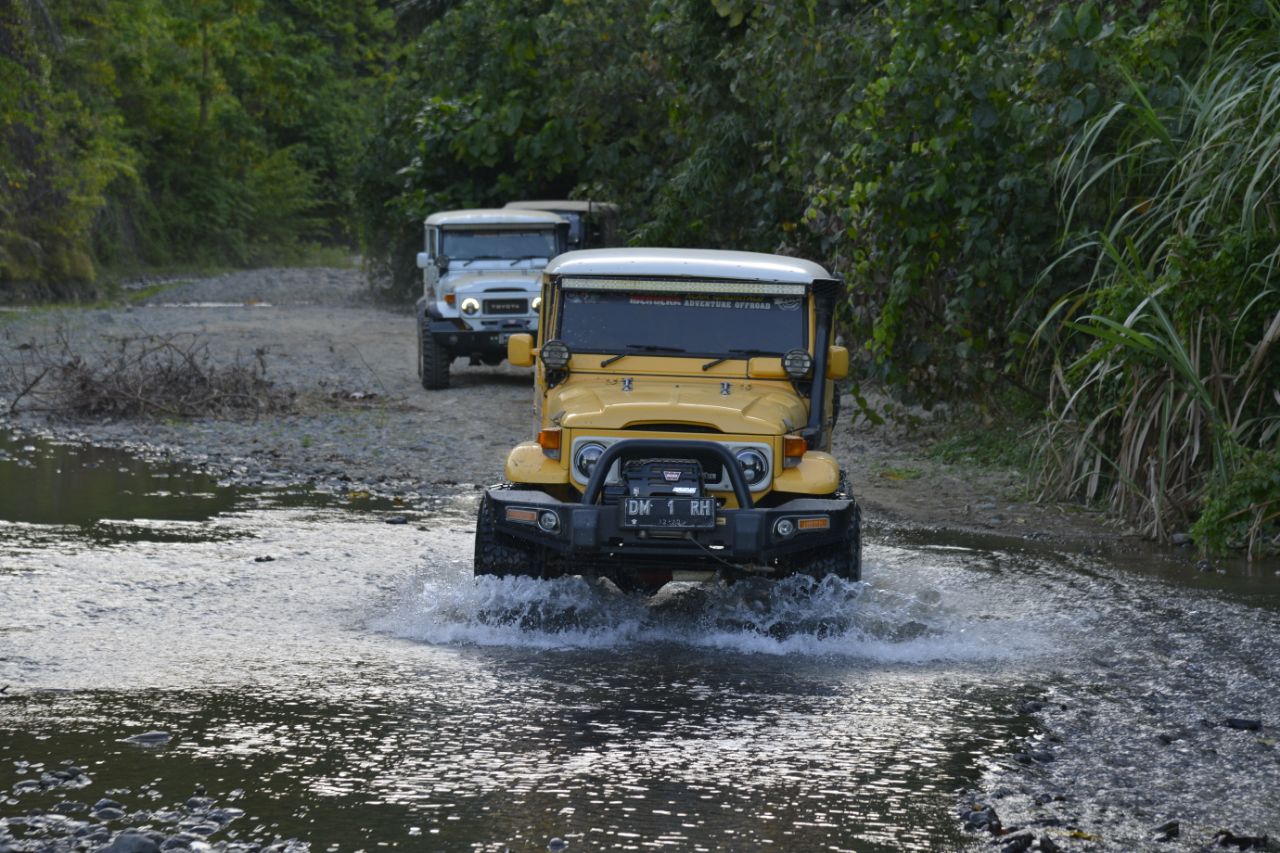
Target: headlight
<point>470,305</point>
<point>753,464</point>
<point>536,304</point>
<point>797,363</point>
<point>586,457</point>
<point>555,354</point>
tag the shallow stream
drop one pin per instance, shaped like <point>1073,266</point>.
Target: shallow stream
<point>235,668</point>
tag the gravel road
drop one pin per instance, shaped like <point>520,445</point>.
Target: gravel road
<point>361,420</point>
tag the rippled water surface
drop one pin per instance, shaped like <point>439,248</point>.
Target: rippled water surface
<point>359,689</point>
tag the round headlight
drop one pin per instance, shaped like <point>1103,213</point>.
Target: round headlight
<point>784,528</point>
<point>586,457</point>
<point>797,363</point>
<point>548,521</point>
<point>555,354</point>
<point>753,464</point>
<point>536,304</point>
<point>470,305</point>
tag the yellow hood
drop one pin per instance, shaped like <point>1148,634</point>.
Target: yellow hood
<point>750,408</point>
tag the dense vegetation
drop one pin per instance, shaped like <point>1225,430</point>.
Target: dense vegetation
<point>150,132</point>
<point>1072,201</point>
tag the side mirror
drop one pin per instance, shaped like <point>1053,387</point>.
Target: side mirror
<point>837,363</point>
<point>442,262</point>
<point>520,350</point>
<point>424,260</point>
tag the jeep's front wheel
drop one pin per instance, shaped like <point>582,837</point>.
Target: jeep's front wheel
<point>499,554</point>
<point>843,559</point>
<point>433,361</point>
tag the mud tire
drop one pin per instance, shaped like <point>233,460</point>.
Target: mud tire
<point>844,559</point>
<point>433,361</point>
<point>499,554</point>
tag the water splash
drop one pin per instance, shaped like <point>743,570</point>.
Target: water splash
<point>907,612</point>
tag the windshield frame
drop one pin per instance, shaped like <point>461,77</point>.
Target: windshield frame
<point>690,287</point>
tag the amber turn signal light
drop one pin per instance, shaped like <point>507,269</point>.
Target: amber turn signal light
<point>793,447</point>
<point>450,299</point>
<point>549,441</point>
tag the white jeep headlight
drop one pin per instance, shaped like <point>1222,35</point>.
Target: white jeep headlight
<point>470,305</point>
<point>586,457</point>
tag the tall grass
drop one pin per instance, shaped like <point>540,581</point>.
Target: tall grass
<point>1164,380</point>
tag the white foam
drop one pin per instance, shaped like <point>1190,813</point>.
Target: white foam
<point>909,611</point>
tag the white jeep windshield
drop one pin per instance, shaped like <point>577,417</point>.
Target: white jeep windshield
<point>711,324</point>
<point>498,244</point>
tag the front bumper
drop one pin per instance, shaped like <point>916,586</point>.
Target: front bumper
<point>459,339</point>
<point>740,536</point>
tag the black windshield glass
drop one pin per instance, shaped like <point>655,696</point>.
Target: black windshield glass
<point>699,324</point>
<point>472,245</point>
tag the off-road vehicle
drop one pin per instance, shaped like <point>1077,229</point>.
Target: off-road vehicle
<point>685,401</point>
<point>480,284</point>
<point>592,224</point>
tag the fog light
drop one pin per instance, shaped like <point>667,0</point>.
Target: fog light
<point>555,354</point>
<point>536,304</point>
<point>470,305</point>
<point>549,521</point>
<point>784,528</point>
<point>797,363</point>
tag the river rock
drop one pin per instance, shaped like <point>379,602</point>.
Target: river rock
<point>1226,838</point>
<point>1167,831</point>
<point>980,817</point>
<point>1017,843</point>
<point>1242,724</point>
<point>1181,540</point>
<point>104,803</point>
<point>131,842</point>
<point>108,814</point>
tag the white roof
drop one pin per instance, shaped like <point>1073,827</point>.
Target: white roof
<point>496,217</point>
<point>575,206</point>
<point>693,263</point>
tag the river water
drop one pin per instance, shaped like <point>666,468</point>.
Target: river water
<point>328,671</point>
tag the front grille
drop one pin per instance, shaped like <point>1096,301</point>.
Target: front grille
<point>506,306</point>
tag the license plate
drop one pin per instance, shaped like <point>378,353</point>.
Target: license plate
<point>506,306</point>
<point>678,513</point>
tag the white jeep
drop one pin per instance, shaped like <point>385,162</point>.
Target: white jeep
<point>481,276</point>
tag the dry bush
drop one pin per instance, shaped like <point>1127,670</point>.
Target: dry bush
<point>139,376</point>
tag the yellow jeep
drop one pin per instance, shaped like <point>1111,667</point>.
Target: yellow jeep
<point>684,403</point>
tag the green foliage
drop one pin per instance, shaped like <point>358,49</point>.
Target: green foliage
<point>1162,369</point>
<point>148,132</point>
<point>940,207</point>
<point>1244,511</point>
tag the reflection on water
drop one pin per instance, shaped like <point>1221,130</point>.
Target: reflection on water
<point>78,484</point>
<point>347,682</point>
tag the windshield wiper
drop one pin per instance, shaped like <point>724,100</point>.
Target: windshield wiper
<point>734,354</point>
<point>632,349</point>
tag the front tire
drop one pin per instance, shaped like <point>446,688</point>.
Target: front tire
<point>433,361</point>
<point>843,559</point>
<point>499,554</point>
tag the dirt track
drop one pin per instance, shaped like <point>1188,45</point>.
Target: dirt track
<point>363,422</point>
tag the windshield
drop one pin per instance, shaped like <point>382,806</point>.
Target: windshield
<point>695,323</point>
<point>498,244</point>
